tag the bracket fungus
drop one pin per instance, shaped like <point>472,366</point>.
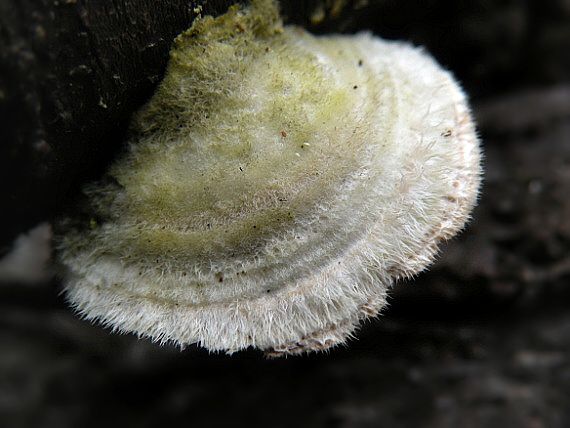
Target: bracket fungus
<point>273,189</point>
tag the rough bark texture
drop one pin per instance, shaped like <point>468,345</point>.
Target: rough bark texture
<point>483,339</point>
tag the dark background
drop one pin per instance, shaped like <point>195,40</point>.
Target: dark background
<point>482,340</point>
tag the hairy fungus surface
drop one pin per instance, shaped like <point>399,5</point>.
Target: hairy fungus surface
<point>273,188</point>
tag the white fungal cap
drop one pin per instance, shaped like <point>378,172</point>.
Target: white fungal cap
<point>274,188</point>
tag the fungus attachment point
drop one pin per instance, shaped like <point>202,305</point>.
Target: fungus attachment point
<point>263,201</point>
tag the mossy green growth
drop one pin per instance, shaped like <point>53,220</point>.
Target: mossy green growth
<point>237,142</point>
<point>206,62</point>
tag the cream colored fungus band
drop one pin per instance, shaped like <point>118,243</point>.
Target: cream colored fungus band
<point>273,189</point>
